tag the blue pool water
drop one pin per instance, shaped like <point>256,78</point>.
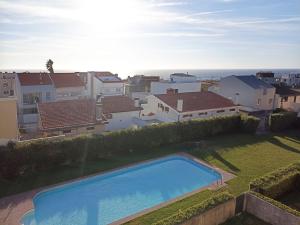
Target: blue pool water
<point>109,197</point>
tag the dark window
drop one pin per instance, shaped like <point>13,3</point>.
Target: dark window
<point>167,109</point>
<point>11,92</point>
<point>285,98</point>
<point>30,111</point>
<point>90,128</point>
<point>295,98</point>
<point>232,110</point>
<point>67,131</point>
<point>202,113</point>
<point>220,111</point>
<point>187,115</point>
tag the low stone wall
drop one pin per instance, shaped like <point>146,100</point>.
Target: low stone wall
<point>214,216</point>
<point>268,212</point>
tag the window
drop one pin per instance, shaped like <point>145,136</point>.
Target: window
<point>187,115</point>
<point>258,101</point>
<point>270,101</point>
<point>202,113</point>
<point>220,111</point>
<point>90,128</point>
<point>175,91</point>
<point>30,111</point>
<point>5,92</point>
<point>167,109</point>
<point>232,110</point>
<point>11,93</point>
<point>264,91</point>
<point>67,131</point>
<point>31,98</point>
<point>285,98</point>
<point>295,98</point>
<point>5,85</point>
<point>48,96</point>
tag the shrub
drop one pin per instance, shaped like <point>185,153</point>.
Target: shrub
<point>276,203</point>
<point>282,121</point>
<point>182,215</point>
<point>28,157</point>
<point>249,124</point>
<point>278,182</point>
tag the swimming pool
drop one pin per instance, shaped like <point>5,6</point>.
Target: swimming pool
<point>112,196</point>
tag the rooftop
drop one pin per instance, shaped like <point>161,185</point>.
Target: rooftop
<point>194,101</point>
<point>254,82</point>
<point>182,75</point>
<point>286,91</point>
<point>68,113</point>
<point>30,79</point>
<point>107,77</point>
<point>115,104</point>
<point>61,80</point>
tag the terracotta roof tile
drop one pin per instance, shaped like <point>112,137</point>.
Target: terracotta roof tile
<point>194,101</point>
<point>115,104</point>
<point>68,113</point>
<point>61,80</point>
<point>30,79</point>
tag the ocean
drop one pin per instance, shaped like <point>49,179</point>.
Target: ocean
<point>215,74</point>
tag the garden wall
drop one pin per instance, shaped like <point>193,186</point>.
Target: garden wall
<point>214,216</point>
<point>269,212</point>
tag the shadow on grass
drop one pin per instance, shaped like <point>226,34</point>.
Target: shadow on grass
<point>275,141</point>
<point>217,156</point>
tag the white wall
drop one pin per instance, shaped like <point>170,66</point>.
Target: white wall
<point>108,89</point>
<point>69,93</point>
<point>248,96</point>
<point>290,104</point>
<point>121,120</point>
<point>161,87</point>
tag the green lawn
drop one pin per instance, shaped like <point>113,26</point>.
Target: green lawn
<point>245,219</point>
<point>246,156</point>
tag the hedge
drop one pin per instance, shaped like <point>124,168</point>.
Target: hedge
<point>276,203</point>
<point>249,124</point>
<point>182,215</point>
<point>278,182</point>
<point>282,121</point>
<point>25,158</point>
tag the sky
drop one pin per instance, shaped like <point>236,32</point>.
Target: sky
<point>127,35</point>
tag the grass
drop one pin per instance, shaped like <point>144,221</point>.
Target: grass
<point>245,219</point>
<point>244,155</point>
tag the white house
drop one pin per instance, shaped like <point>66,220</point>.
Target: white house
<point>104,83</point>
<point>161,87</point>
<point>287,98</point>
<point>68,86</point>
<point>119,112</point>
<point>291,80</point>
<point>248,91</point>
<point>32,88</point>
<point>172,107</point>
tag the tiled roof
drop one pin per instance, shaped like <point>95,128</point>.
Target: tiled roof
<point>61,80</point>
<point>68,113</point>
<point>107,77</point>
<point>30,79</point>
<point>254,82</point>
<point>115,104</point>
<point>194,101</point>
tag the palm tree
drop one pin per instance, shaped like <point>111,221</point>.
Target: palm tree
<point>49,66</point>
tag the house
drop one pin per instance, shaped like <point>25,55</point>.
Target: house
<point>173,106</point>
<point>68,86</point>
<point>8,120</point>
<point>31,89</point>
<point>119,111</point>
<point>70,117</point>
<point>179,82</point>
<point>287,98</point>
<point>104,83</point>
<point>268,77</point>
<point>7,84</point>
<point>291,80</point>
<point>248,91</point>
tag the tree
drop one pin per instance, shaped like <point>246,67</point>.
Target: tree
<point>49,66</point>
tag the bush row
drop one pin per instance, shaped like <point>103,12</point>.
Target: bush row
<point>283,120</point>
<point>25,158</point>
<point>183,215</point>
<point>276,203</point>
<point>249,124</point>
<point>278,182</point>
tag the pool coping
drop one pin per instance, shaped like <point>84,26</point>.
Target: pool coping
<point>13,208</point>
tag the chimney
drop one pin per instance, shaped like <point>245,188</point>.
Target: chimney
<point>99,106</point>
<point>179,105</point>
<point>136,102</point>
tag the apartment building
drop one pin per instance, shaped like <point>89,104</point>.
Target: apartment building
<point>7,84</point>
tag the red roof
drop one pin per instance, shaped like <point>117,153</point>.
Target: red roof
<point>194,101</point>
<point>115,104</point>
<point>29,79</point>
<point>61,80</point>
<point>68,113</point>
